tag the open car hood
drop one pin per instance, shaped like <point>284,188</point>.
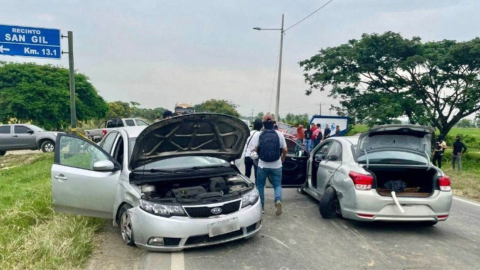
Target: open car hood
<point>199,134</point>
<point>411,138</point>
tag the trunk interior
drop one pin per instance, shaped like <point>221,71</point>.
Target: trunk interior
<point>406,182</point>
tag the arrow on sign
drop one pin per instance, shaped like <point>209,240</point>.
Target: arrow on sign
<point>4,49</point>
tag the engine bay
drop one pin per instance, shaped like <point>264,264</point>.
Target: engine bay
<point>198,190</point>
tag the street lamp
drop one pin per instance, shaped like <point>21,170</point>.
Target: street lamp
<point>279,66</point>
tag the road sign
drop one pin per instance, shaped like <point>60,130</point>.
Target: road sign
<point>30,41</point>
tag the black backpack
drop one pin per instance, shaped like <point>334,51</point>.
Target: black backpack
<point>269,146</point>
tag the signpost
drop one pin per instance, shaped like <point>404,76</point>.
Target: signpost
<point>30,41</point>
<point>43,43</point>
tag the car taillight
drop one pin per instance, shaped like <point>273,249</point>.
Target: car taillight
<point>104,132</point>
<point>444,183</point>
<point>361,181</point>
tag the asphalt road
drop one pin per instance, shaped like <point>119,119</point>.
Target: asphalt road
<point>301,239</point>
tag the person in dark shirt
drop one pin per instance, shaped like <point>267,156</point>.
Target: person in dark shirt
<point>439,150</point>
<point>308,139</point>
<point>326,132</point>
<point>458,149</point>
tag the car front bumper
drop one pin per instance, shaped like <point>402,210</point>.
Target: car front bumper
<point>370,206</point>
<point>185,232</point>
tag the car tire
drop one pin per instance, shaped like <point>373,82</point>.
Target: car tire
<point>47,146</point>
<point>2,153</point>
<point>329,206</point>
<point>126,229</point>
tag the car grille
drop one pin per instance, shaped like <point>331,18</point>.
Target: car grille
<point>199,239</point>
<point>171,241</point>
<point>204,211</point>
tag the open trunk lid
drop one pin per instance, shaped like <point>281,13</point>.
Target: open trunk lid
<point>201,134</point>
<point>411,138</point>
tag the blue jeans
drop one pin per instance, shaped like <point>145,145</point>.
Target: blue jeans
<point>308,145</point>
<point>275,177</point>
<point>299,142</point>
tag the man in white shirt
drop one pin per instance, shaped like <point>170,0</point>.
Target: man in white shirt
<point>271,151</point>
<point>250,147</point>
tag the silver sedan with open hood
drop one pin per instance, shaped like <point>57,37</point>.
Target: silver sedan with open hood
<point>383,175</point>
<point>169,186</point>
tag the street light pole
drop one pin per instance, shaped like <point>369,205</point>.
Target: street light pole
<point>279,74</point>
<point>277,103</point>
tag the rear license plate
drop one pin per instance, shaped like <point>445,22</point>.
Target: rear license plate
<point>223,227</point>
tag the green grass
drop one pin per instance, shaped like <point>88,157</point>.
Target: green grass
<point>33,236</point>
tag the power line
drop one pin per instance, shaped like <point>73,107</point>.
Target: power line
<point>308,16</point>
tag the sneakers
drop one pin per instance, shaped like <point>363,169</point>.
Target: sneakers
<point>278,206</point>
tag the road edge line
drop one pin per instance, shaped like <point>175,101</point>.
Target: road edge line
<point>466,201</point>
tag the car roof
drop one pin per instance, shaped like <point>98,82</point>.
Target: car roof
<point>133,132</point>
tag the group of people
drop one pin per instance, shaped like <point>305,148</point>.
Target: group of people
<point>311,137</point>
<point>458,146</point>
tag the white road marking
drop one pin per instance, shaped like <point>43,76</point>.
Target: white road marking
<point>178,261</point>
<point>466,201</point>
<point>275,239</point>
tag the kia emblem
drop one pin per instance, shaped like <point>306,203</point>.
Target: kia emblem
<point>216,210</point>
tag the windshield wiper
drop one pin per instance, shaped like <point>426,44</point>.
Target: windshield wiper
<point>209,167</point>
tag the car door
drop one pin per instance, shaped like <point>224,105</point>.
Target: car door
<point>23,138</point>
<point>294,169</point>
<point>5,137</point>
<point>328,164</point>
<point>79,184</point>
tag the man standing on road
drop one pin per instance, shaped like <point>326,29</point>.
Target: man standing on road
<point>326,133</point>
<point>337,131</point>
<point>439,151</point>
<point>317,136</point>
<point>459,149</point>
<point>308,139</point>
<point>271,147</point>
<point>257,125</point>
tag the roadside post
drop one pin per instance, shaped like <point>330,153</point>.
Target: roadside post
<point>71,66</point>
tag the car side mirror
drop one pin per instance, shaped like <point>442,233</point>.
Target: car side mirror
<point>319,158</point>
<point>30,132</point>
<point>104,166</point>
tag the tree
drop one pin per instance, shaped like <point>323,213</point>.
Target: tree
<point>218,106</point>
<point>296,119</point>
<point>382,77</point>
<point>40,94</point>
<point>465,123</point>
<point>119,109</point>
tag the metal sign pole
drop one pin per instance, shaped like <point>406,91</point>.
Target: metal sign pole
<point>73,111</point>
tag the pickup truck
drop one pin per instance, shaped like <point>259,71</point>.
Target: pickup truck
<point>96,135</point>
<point>26,137</point>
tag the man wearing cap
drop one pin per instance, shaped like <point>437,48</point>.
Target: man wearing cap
<point>271,149</point>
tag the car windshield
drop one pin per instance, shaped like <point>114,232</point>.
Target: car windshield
<point>35,128</point>
<point>181,162</point>
<point>392,157</point>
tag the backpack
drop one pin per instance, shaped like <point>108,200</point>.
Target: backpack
<point>269,146</point>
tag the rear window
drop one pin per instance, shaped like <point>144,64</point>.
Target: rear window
<point>130,122</point>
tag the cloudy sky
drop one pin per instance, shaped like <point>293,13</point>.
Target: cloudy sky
<point>158,52</point>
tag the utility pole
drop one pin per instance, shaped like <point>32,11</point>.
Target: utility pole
<point>73,111</point>
<point>320,108</point>
<point>282,31</point>
<point>279,75</point>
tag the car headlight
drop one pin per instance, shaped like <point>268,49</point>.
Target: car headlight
<point>250,198</point>
<point>162,209</point>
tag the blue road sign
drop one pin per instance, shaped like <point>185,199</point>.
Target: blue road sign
<point>30,41</point>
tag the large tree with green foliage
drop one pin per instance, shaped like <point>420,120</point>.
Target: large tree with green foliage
<point>40,94</point>
<point>382,77</point>
<point>218,106</point>
<point>297,119</point>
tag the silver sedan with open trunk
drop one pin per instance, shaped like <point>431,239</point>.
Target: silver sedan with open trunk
<point>383,175</point>
<point>169,186</point>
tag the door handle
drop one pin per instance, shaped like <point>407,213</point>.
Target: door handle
<point>294,159</point>
<point>15,136</point>
<point>60,177</point>
<point>331,171</point>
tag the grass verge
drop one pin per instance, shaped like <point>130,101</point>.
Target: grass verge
<point>33,236</point>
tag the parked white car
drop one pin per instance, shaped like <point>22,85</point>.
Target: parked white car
<point>383,175</point>
<point>169,186</point>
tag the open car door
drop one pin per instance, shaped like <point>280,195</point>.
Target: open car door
<point>84,178</point>
<point>294,171</point>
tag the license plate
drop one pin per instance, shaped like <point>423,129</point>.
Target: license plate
<point>223,227</point>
